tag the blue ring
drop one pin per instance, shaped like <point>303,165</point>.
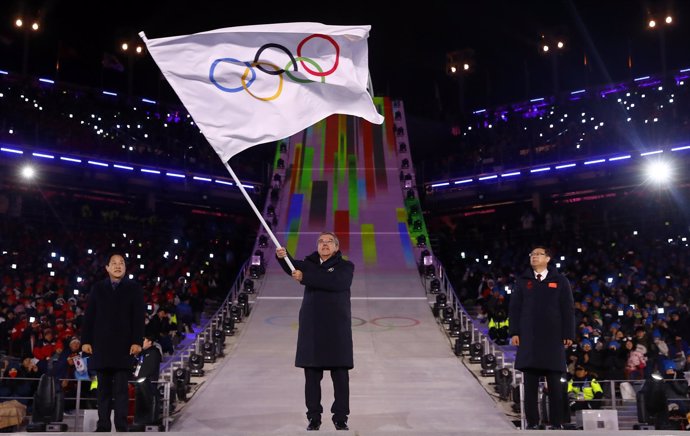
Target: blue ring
<point>233,60</point>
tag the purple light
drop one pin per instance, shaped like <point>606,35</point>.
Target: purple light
<point>440,185</point>
<point>45,156</point>
<point>534,100</point>
<point>685,147</point>
<point>515,173</point>
<point>248,186</point>
<point>495,176</point>
<point>648,153</point>
<point>223,182</point>
<point>462,182</point>
<point>146,100</point>
<point>627,156</point>
<point>11,150</point>
<point>179,176</point>
<point>479,111</point>
<point>114,94</point>
<point>202,179</point>
<point>100,164</point>
<point>685,70</point>
<point>540,170</point>
<point>641,78</point>
<point>123,167</point>
<point>49,81</point>
<point>146,170</point>
<point>648,84</point>
<point>579,91</point>
<point>569,165</point>
<point>4,72</point>
<point>593,162</point>
<point>70,159</point>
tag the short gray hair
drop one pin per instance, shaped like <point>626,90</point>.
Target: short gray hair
<point>335,238</point>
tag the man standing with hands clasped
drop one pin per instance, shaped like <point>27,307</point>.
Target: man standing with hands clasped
<point>324,338</point>
<point>542,325</point>
<point>113,333</point>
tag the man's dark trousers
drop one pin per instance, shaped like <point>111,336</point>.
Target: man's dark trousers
<point>553,380</point>
<point>112,394</point>
<point>341,390</point>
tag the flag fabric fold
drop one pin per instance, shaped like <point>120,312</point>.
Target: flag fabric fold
<point>249,85</point>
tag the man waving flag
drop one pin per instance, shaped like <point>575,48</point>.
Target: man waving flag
<point>250,85</point>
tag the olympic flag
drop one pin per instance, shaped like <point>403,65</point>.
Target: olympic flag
<point>248,85</point>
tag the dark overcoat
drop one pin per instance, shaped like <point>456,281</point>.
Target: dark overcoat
<point>542,314</point>
<point>324,337</point>
<point>114,320</point>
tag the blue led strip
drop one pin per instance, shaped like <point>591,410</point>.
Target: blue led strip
<point>107,165</point>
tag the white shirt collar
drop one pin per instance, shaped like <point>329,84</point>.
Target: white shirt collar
<point>543,274</point>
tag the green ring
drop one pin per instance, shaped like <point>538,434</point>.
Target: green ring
<point>308,60</point>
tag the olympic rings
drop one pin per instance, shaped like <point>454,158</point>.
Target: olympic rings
<point>279,71</point>
<point>246,86</point>
<point>297,79</point>
<point>223,88</point>
<point>337,54</point>
<point>274,70</point>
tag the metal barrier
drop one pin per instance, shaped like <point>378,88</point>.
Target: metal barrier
<point>76,417</point>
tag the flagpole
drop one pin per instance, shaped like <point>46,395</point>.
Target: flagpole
<point>256,211</point>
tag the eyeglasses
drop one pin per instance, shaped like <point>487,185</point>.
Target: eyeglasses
<point>537,254</point>
<point>324,241</point>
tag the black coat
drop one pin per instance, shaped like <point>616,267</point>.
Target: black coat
<point>542,315</point>
<point>114,320</point>
<point>324,338</point>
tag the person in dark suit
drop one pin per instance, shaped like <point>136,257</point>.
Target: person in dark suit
<point>542,325</point>
<point>324,338</point>
<point>113,333</point>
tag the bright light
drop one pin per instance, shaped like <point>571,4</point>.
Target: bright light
<point>125,46</point>
<point>560,44</point>
<point>545,48</point>
<point>465,66</point>
<point>18,22</point>
<point>652,24</point>
<point>669,19</point>
<point>659,172</point>
<point>28,172</point>
<point>34,26</point>
<point>139,49</point>
<point>453,69</point>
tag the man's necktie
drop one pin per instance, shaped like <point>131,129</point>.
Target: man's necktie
<point>539,277</point>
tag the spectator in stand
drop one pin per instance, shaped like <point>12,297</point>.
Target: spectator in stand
<point>584,391</point>
<point>64,371</point>
<point>147,373</point>
<point>159,329</point>
<point>542,325</point>
<point>637,362</point>
<point>112,334</point>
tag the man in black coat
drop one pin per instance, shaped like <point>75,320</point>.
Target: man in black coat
<point>324,338</point>
<point>113,333</point>
<point>542,325</point>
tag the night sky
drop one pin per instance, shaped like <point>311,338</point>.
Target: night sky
<point>407,46</point>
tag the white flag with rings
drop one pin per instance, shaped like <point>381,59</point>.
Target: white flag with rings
<point>250,85</point>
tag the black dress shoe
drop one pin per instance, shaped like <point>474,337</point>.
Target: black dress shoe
<point>341,425</point>
<point>534,427</point>
<point>557,427</point>
<point>314,424</point>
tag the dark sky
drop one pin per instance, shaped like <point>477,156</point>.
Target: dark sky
<point>407,45</point>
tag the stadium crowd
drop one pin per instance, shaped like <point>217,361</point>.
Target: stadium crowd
<point>628,266</point>
<point>54,246</point>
